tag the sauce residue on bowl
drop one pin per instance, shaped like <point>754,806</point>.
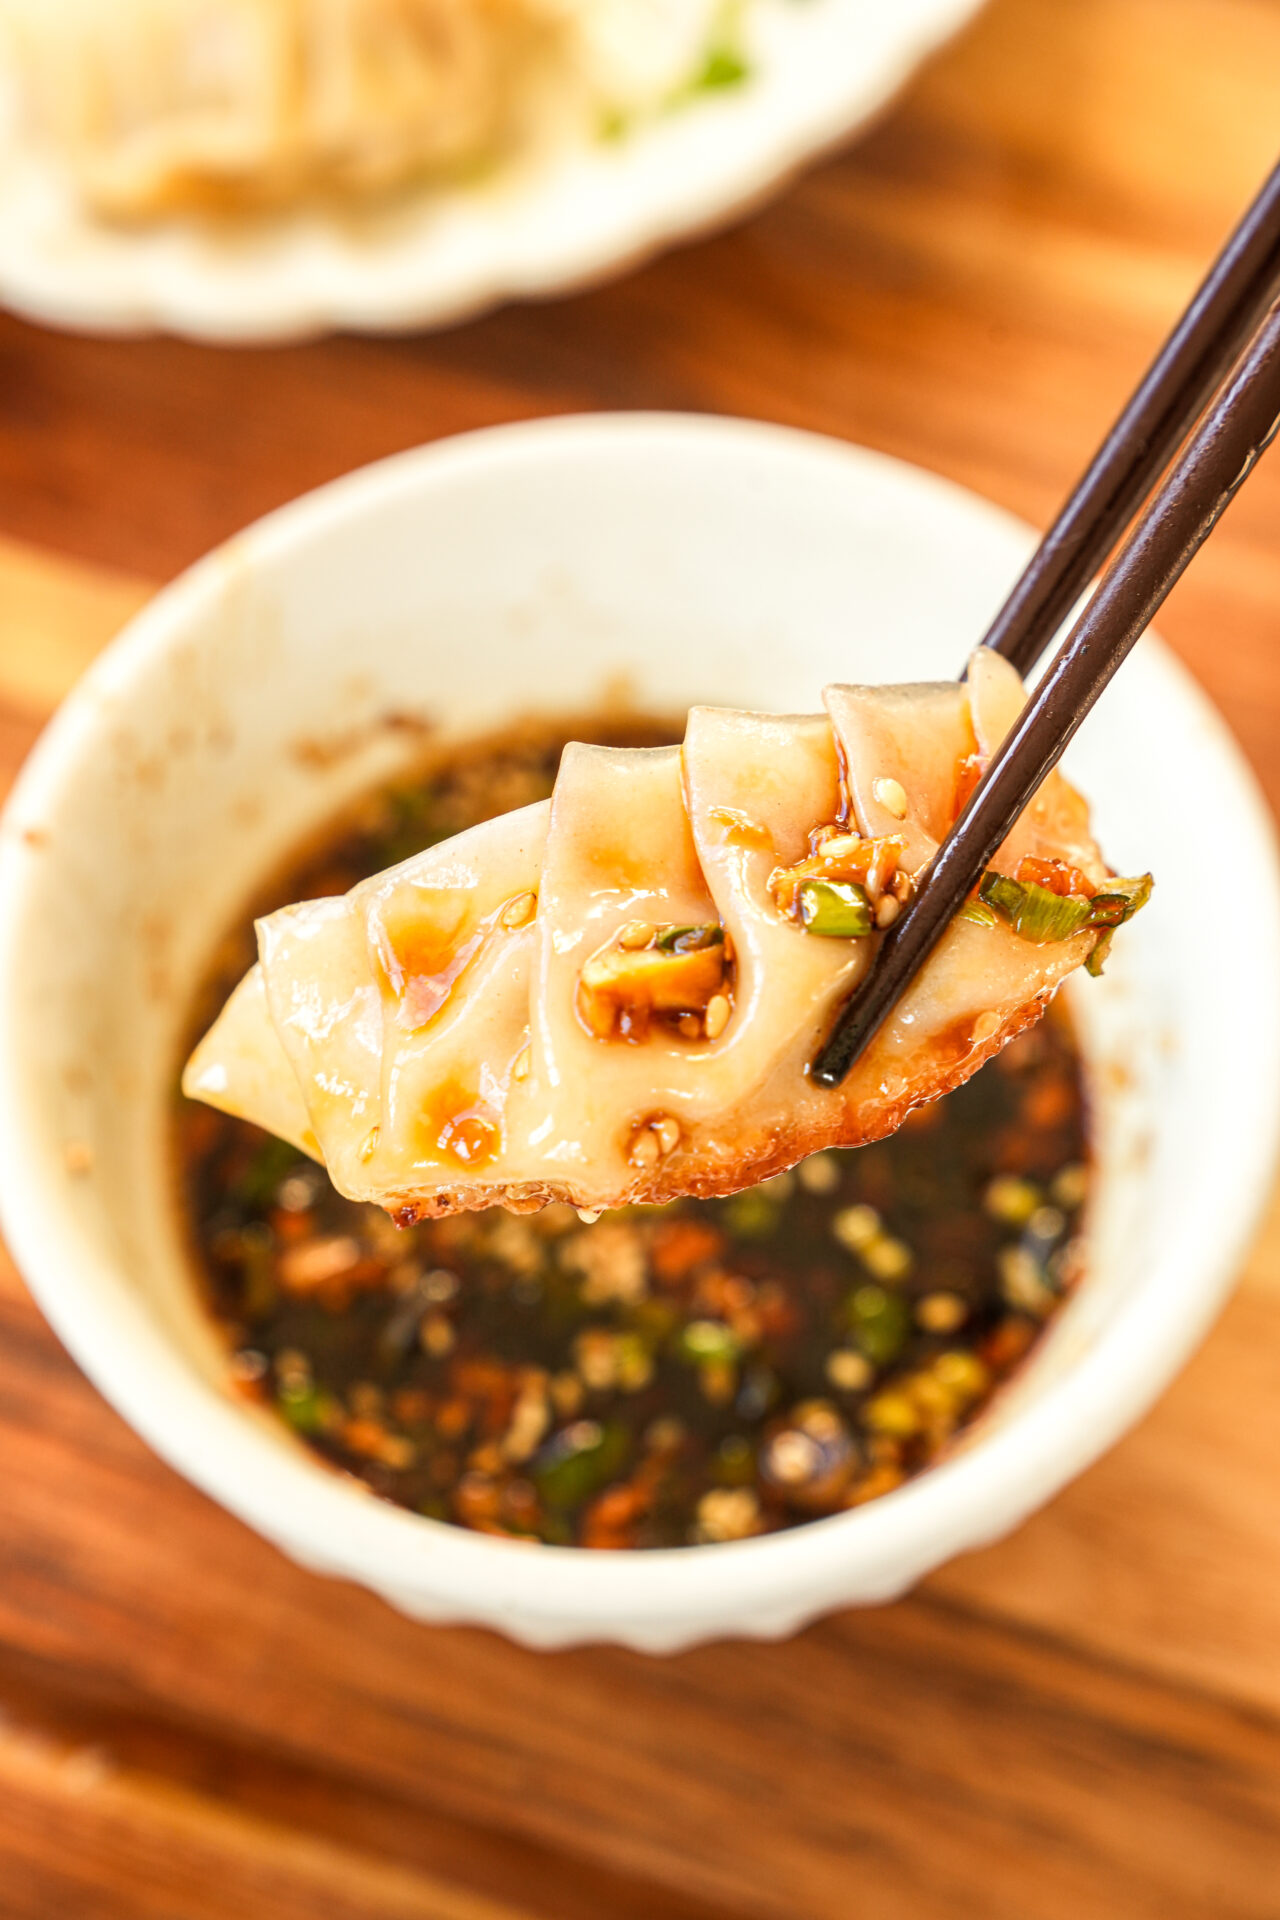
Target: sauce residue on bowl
<point>664,1376</point>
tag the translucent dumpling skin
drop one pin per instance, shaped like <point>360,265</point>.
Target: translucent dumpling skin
<point>155,108</point>
<point>160,106</point>
<point>615,995</point>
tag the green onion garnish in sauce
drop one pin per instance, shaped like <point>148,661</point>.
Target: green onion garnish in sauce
<point>839,909</point>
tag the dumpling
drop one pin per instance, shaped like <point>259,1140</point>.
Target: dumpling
<point>163,106</point>
<point>158,105</point>
<point>615,995</point>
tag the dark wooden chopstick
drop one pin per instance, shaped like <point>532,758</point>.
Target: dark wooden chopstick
<point>1236,292</point>
<point>1216,462</point>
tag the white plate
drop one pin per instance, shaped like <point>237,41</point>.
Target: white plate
<point>551,222</point>
<point>534,566</point>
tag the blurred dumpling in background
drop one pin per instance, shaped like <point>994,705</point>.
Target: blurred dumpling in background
<point>158,104</point>
<point>164,105</point>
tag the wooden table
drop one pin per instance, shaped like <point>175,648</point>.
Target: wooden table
<point>1082,1721</point>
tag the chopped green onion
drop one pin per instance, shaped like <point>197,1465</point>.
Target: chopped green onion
<point>1119,900</point>
<point>709,1340</point>
<point>880,1322</point>
<point>839,909</point>
<point>689,939</point>
<point>579,1460</point>
<point>1034,912</point>
<point>1037,914</point>
<point>270,1165</point>
<point>724,67</point>
<point>308,1409</point>
<point>979,912</point>
<point>752,1215</point>
<point>1097,961</point>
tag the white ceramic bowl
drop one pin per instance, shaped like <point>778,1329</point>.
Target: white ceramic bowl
<point>560,215</point>
<point>533,567</point>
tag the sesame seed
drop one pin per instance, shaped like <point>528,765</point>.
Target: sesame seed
<point>892,1413</point>
<point>717,1015</point>
<point>728,1513</point>
<point>1070,1186</point>
<point>848,1370</point>
<point>791,1458</point>
<point>595,1354</point>
<point>646,1150</point>
<point>668,1132</point>
<point>1022,1283</point>
<point>892,796</point>
<point>299,1191</point>
<point>665,1434</point>
<point>886,1258</point>
<point>293,1369</point>
<point>635,935</point>
<point>962,1373</point>
<point>717,1380</point>
<point>856,1227</point>
<point>941,1312</point>
<point>984,1027</point>
<point>310,1264</point>
<point>437,1335</point>
<point>567,1390</point>
<point>1011,1199</point>
<point>819,1174</point>
<point>887,910</point>
<point>520,911</point>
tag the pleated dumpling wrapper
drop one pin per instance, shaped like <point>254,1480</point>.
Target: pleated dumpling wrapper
<point>160,106</point>
<point>615,995</point>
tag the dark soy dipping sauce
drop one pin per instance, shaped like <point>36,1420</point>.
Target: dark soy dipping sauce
<point>666,1376</point>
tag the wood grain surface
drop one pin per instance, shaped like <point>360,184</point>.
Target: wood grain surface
<point>1082,1721</point>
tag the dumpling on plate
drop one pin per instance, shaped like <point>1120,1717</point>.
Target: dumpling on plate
<point>614,995</point>
<point>159,105</point>
<point>164,106</point>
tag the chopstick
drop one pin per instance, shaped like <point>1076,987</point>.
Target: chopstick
<point>1177,386</point>
<point>1220,456</point>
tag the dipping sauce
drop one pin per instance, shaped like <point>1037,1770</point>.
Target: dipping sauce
<point>665,1376</point>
